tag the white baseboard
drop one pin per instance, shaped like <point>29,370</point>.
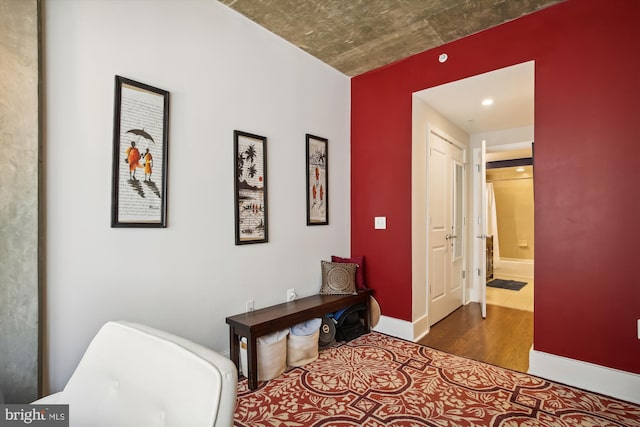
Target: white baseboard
<point>395,327</point>
<point>410,331</point>
<point>421,328</point>
<point>588,376</point>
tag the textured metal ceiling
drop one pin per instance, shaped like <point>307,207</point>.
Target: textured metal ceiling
<point>355,36</point>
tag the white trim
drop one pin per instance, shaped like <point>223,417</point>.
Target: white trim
<point>588,376</point>
<point>451,140</point>
<point>421,327</point>
<point>410,331</point>
<point>395,327</point>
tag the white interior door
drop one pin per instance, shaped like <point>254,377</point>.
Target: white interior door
<point>481,236</point>
<point>457,238</point>
<point>445,227</point>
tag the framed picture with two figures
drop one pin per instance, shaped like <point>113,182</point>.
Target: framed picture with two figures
<point>140,148</point>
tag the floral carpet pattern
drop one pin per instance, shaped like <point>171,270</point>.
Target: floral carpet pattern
<point>379,381</point>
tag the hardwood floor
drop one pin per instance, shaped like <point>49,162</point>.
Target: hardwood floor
<point>504,338</point>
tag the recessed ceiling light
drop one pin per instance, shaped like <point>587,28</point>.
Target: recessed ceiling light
<point>486,102</point>
<point>520,170</point>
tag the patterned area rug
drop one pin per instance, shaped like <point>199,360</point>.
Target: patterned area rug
<point>377,380</point>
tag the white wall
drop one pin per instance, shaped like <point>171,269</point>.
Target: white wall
<point>506,139</point>
<point>224,73</point>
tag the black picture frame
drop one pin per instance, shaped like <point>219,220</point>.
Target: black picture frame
<point>140,155</point>
<point>317,171</point>
<point>250,188</point>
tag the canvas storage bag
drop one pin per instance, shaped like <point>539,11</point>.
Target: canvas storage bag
<point>272,355</point>
<point>302,349</point>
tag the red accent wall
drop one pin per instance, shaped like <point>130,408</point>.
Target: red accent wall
<point>587,170</point>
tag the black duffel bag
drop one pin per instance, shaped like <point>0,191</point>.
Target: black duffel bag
<point>350,322</point>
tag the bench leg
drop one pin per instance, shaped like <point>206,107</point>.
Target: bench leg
<point>234,347</point>
<point>252,363</point>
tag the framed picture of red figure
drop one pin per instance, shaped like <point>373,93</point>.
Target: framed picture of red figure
<point>140,148</point>
<point>317,180</point>
<point>250,185</point>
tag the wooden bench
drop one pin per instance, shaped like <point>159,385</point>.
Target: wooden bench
<point>254,324</point>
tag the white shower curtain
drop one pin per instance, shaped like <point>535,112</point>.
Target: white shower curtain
<point>492,222</point>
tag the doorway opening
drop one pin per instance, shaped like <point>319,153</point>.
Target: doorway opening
<point>510,227</point>
<point>459,110</point>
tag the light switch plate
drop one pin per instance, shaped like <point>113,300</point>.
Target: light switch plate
<point>380,223</point>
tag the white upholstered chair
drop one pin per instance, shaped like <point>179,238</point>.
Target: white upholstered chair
<point>134,375</point>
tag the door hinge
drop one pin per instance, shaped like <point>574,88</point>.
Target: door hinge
<point>464,274</point>
<point>478,272</point>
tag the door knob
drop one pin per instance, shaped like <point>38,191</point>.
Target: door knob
<point>450,236</point>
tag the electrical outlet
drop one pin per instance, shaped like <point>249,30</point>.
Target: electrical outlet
<point>291,294</point>
<point>250,305</point>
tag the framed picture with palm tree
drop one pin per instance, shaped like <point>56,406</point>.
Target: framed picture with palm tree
<point>140,149</point>
<point>317,180</point>
<point>250,152</point>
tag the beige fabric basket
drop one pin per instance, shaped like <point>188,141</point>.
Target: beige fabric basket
<point>302,349</point>
<point>272,359</point>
